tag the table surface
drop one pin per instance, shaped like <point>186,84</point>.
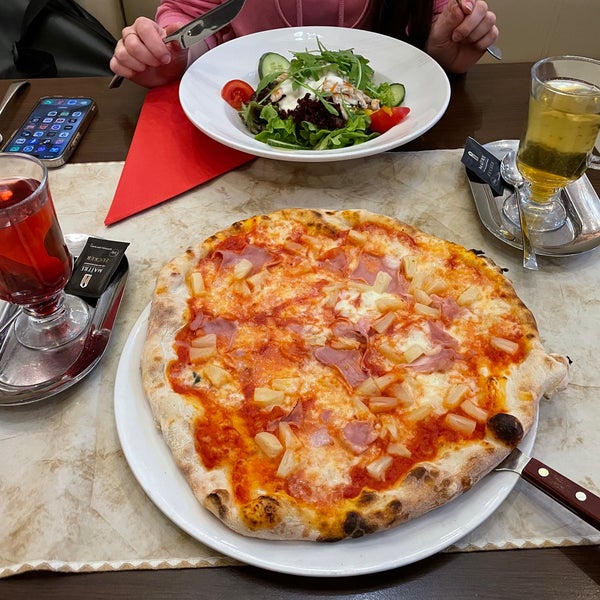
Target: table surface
<point>490,103</point>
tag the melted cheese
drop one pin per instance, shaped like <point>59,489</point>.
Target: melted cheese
<point>305,321</point>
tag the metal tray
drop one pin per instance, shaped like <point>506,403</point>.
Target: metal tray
<point>580,233</point>
<point>27,375</point>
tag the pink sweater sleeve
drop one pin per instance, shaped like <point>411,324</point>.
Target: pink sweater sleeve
<point>182,11</point>
<point>439,6</point>
<point>249,20</point>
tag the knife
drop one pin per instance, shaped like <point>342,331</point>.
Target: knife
<point>199,29</point>
<point>582,502</point>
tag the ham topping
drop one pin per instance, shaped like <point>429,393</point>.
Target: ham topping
<point>429,363</point>
<point>258,257</point>
<point>449,307</point>
<point>296,415</point>
<point>343,328</point>
<point>219,326</point>
<point>335,260</point>
<point>439,335</point>
<point>358,435</point>
<point>347,362</point>
<point>368,267</point>
<point>320,438</point>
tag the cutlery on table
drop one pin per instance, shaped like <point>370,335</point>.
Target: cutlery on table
<point>510,174</point>
<point>582,502</point>
<point>199,29</point>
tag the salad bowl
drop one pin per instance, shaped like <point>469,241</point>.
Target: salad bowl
<point>393,61</point>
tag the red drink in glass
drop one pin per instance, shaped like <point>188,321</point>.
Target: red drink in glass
<point>35,263</point>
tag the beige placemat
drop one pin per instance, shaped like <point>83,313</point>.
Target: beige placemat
<point>69,501</point>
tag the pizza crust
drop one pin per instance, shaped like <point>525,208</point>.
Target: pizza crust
<point>427,485</point>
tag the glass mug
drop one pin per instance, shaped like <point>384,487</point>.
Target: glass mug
<point>561,130</point>
<point>35,263</point>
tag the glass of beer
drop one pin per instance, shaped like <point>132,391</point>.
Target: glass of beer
<point>557,145</point>
<point>35,263</point>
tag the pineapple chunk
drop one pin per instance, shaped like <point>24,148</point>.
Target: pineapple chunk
<point>287,464</point>
<point>268,443</point>
<point>461,424</point>
<point>205,341</point>
<point>378,468</point>
<point>382,282</point>
<point>218,376</point>
<point>197,283</point>
<point>504,345</point>
<point>287,436</point>
<point>242,269</point>
<point>264,396</point>
<point>470,295</point>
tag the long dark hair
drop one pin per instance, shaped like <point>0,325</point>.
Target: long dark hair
<point>407,20</point>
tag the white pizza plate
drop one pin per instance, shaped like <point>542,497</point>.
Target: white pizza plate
<point>153,466</point>
<point>427,87</point>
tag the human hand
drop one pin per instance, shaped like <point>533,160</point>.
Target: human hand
<point>142,56</point>
<point>461,34</point>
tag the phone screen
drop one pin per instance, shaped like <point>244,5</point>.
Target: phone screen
<point>53,128</point>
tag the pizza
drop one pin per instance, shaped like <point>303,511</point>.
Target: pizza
<point>321,375</point>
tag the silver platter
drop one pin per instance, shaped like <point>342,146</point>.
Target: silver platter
<point>32,375</point>
<point>580,233</point>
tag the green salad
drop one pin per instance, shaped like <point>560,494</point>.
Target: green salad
<point>318,100</point>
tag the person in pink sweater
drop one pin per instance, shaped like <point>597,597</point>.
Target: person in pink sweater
<point>454,32</point>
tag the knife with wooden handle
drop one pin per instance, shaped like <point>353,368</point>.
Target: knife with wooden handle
<point>582,502</point>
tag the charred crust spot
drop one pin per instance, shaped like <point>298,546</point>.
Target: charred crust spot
<point>215,503</point>
<point>367,497</point>
<point>264,512</point>
<point>506,428</point>
<point>466,483</point>
<point>356,526</point>
<point>418,473</point>
<point>424,474</point>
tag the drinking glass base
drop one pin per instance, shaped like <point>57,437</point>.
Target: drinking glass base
<point>541,218</point>
<point>63,327</point>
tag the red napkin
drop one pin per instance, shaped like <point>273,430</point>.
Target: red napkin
<point>168,156</point>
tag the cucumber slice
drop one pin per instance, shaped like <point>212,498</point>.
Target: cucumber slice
<point>398,92</point>
<point>272,63</point>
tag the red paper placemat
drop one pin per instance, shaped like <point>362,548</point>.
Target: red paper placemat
<point>167,157</point>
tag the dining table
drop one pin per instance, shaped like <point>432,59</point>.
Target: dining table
<point>104,537</point>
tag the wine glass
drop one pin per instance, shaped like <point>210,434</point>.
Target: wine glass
<point>35,264</point>
<point>556,148</point>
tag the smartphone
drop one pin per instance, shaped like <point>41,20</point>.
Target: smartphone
<point>53,129</point>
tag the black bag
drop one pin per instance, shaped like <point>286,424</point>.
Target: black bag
<point>52,38</point>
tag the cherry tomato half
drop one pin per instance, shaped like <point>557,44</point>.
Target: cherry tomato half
<point>386,117</point>
<point>236,92</point>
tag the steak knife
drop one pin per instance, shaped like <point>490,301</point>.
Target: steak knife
<point>582,502</point>
<point>199,29</point>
